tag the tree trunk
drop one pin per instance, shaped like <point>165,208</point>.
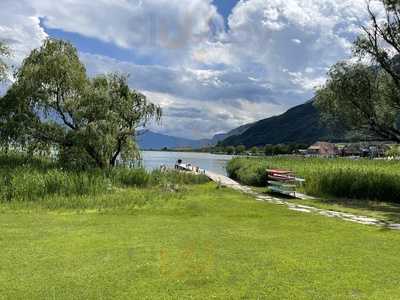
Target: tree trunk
<point>113,160</point>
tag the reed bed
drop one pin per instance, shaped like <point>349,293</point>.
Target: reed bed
<point>25,178</point>
<point>343,178</point>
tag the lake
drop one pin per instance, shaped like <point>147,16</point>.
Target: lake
<point>211,162</point>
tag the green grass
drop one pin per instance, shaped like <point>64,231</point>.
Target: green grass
<point>337,178</point>
<point>385,211</point>
<point>130,234</point>
<point>199,242</point>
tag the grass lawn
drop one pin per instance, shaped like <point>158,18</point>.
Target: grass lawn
<point>384,211</point>
<point>202,243</point>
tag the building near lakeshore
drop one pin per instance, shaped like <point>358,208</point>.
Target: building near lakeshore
<point>323,149</point>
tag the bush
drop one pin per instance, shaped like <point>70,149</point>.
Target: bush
<point>75,158</point>
<point>247,173</point>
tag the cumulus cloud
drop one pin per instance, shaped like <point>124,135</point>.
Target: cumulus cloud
<point>208,77</point>
<point>182,81</point>
<point>19,28</point>
<point>164,28</point>
<point>294,34</point>
<point>197,118</point>
<point>196,103</point>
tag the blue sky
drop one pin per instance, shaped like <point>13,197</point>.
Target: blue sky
<point>225,7</point>
<point>209,74</point>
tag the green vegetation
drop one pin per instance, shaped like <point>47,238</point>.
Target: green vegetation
<point>23,178</point>
<point>126,233</point>
<point>229,150</point>
<point>240,149</point>
<point>283,149</point>
<point>388,212</point>
<point>338,178</point>
<point>4,51</point>
<point>197,243</point>
<point>262,150</point>
<point>53,104</point>
<point>393,151</point>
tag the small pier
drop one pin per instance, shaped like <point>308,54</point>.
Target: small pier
<point>217,178</point>
<point>226,181</point>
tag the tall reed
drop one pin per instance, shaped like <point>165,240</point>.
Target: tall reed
<point>27,179</point>
<point>344,178</point>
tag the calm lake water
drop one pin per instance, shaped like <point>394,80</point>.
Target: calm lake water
<point>212,162</point>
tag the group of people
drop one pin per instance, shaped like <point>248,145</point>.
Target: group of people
<point>178,166</point>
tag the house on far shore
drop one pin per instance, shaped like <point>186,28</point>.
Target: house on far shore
<point>367,149</point>
<point>323,149</point>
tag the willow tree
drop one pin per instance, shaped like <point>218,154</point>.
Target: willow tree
<point>4,51</point>
<point>5,126</point>
<point>90,121</point>
<point>366,97</point>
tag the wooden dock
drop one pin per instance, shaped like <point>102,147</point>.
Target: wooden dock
<point>226,181</point>
<point>217,178</point>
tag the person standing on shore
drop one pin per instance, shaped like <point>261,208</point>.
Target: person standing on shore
<point>178,163</point>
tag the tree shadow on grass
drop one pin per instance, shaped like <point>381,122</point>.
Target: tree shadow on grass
<point>390,211</point>
<point>266,192</point>
<point>387,211</point>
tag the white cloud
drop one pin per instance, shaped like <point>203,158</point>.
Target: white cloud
<point>19,29</point>
<point>199,118</point>
<point>167,26</point>
<point>278,38</point>
<point>164,28</point>
<point>211,53</point>
<point>182,81</point>
<point>209,79</point>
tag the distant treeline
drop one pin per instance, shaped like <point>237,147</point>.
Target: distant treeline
<point>241,149</point>
<point>264,150</point>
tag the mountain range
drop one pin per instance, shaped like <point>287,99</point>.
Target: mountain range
<point>300,124</point>
<point>149,140</point>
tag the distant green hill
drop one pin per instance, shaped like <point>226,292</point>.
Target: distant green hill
<point>300,124</point>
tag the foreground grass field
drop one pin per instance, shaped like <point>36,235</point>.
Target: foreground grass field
<point>199,242</point>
